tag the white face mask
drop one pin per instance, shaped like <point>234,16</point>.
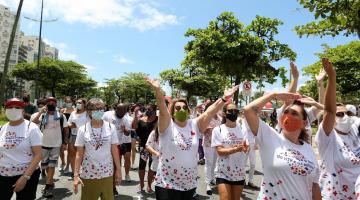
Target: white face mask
<point>343,124</point>
<point>79,106</point>
<point>14,114</point>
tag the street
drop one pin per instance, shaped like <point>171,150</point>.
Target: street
<point>128,190</point>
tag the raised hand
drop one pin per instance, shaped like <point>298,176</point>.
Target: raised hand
<point>286,96</point>
<point>308,101</point>
<point>328,67</point>
<point>320,77</point>
<point>294,70</point>
<point>228,93</point>
<point>155,84</point>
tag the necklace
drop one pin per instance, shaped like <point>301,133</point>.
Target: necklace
<point>98,138</point>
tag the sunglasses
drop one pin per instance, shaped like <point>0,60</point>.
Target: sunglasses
<point>184,107</point>
<point>341,114</point>
<point>233,111</point>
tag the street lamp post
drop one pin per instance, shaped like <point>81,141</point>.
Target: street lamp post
<point>37,92</point>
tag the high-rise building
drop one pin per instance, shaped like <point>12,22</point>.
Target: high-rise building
<point>7,19</point>
<point>51,52</point>
<point>32,45</point>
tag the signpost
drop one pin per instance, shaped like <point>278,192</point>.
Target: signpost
<point>247,90</point>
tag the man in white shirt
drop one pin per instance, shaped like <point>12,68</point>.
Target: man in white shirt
<point>122,122</point>
<point>53,125</point>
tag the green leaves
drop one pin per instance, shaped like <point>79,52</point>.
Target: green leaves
<point>332,18</point>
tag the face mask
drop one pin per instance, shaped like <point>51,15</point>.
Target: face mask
<point>68,105</point>
<point>149,113</point>
<point>231,116</point>
<point>119,116</point>
<point>14,114</point>
<point>51,107</point>
<point>343,124</point>
<point>97,115</point>
<point>291,123</point>
<point>181,115</point>
<point>79,106</point>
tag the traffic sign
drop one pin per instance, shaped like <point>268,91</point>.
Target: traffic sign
<point>247,85</point>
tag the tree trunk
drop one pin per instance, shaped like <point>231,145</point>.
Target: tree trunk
<point>8,53</point>
<point>53,89</point>
<point>236,94</point>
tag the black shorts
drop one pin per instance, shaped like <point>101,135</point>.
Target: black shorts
<point>224,181</point>
<point>125,147</point>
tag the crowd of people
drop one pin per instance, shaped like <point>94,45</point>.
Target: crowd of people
<point>172,140</point>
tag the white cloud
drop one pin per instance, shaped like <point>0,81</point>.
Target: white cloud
<point>123,60</point>
<point>140,14</point>
<point>89,67</point>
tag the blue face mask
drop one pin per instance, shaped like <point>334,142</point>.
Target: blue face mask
<point>97,115</point>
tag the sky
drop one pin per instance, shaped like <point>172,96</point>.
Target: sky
<point>110,37</point>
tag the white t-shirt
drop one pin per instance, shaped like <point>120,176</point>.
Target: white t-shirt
<point>153,144</point>
<point>357,188</point>
<point>15,147</point>
<point>79,120</point>
<point>231,167</point>
<point>340,156</point>
<point>97,161</point>
<point>289,169</point>
<point>110,116</point>
<point>208,135</point>
<point>52,136</point>
<point>310,119</point>
<point>33,117</point>
<point>178,161</point>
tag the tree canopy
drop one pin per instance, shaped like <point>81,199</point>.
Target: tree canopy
<point>229,48</point>
<point>331,18</point>
<point>346,61</point>
<point>65,78</point>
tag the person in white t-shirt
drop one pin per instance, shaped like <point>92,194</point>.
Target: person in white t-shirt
<point>20,154</point>
<point>53,125</point>
<point>96,155</point>
<point>230,143</point>
<point>351,112</point>
<point>289,164</point>
<point>210,152</point>
<point>339,147</point>
<point>176,177</point>
<point>357,188</point>
<point>77,119</point>
<point>122,121</point>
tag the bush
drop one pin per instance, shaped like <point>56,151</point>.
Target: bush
<point>3,119</point>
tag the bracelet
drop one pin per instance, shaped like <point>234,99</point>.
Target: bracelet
<point>223,99</point>
<point>27,177</point>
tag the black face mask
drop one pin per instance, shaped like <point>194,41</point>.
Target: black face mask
<point>231,116</point>
<point>149,113</point>
<point>51,107</point>
<point>119,116</point>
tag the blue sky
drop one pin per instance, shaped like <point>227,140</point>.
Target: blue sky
<point>111,37</point>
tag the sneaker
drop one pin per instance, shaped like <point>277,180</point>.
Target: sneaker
<point>208,190</point>
<point>201,161</point>
<point>150,191</point>
<point>62,166</point>
<point>212,183</point>
<point>116,193</point>
<point>127,178</point>
<point>253,186</point>
<point>47,191</point>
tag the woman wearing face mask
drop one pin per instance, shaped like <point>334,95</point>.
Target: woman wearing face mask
<point>339,148</point>
<point>96,154</point>
<point>289,162</point>
<point>67,110</point>
<point>20,154</point>
<point>176,177</point>
<point>77,119</point>
<point>230,144</point>
<point>143,128</point>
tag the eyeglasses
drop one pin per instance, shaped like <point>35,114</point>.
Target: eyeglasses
<point>233,111</point>
<point>341,114</point>
<point>184,107</point>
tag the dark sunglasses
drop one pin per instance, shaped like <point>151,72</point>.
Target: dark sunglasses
<point>341,114</point>
<point>177,108</point>
<point>233,111</point>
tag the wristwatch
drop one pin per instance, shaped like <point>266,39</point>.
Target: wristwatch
<point>27,177</point>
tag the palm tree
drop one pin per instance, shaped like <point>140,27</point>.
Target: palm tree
<point>8,53</point>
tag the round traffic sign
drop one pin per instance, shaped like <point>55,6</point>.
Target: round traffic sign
<point>247,85</point>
